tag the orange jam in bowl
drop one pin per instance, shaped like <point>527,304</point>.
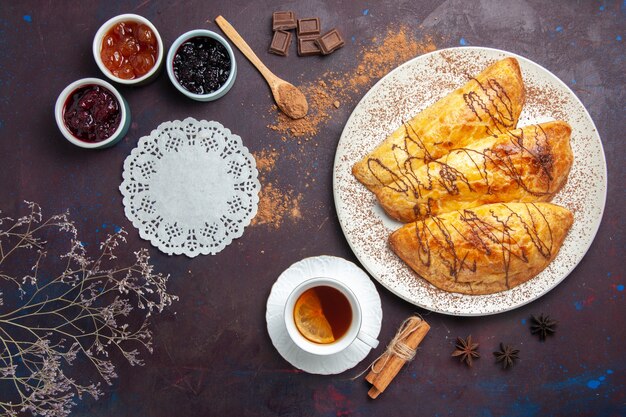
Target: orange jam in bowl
<point>128,49</point>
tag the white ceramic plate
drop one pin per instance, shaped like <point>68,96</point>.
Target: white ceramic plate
<point>409,89</point>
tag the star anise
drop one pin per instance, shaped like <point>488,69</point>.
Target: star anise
<point>507,355</point>
<point>466,350</point>
<point>542,325</point>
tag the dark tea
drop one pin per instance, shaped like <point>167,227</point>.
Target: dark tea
<point>322,314</point>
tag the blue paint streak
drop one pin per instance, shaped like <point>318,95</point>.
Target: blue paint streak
<point>559,28</point>
<point>118,229</point>
<point>573,81</point>
<point>104,225</point>
<point>462,42</point>
<point>618,38</point>
<point>593,384</point>
<point>114,398</point>
<point>27,18</point>
<point>353,39</point>
<point>366,12</point>
<point>493,387</point>
<point>486,413</point>
<point>571,383</point>
<point>524,408</point>
<point>578,305</point>
<point>602,8</point>
<point>620,287</point>
<point>608,274</point>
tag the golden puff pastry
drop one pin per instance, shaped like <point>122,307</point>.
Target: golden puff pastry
<point>486,249</point>
<point>488,104</point>
<point>523,165</point>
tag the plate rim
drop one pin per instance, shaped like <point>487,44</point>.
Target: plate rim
<point>549,288</point>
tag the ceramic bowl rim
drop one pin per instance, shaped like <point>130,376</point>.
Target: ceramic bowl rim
<point>196,33</point>
<point>59,109</point>
<point>97,46</point>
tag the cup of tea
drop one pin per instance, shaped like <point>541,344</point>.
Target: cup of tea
<point>323,317</point>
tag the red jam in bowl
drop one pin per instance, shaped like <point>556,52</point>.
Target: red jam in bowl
<point>92,113</point>
<point>129,50</point>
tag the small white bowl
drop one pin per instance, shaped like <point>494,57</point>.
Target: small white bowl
<point>170,65</point>
<point>97,47</point>
<point>59,109</point>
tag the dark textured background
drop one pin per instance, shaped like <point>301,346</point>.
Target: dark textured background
<point>213,356</point>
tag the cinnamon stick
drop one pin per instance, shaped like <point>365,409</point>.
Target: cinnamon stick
<point>385,368</point>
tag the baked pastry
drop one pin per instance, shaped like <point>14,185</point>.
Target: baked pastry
<point>488,104</point>
<point>486,249</point>
<point>523,165</point>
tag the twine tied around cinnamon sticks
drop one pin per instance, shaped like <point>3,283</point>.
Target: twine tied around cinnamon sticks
<point>400,350</point>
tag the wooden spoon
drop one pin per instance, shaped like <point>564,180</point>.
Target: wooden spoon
<point>288,98</point>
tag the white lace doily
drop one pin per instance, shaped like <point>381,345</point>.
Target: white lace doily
<point>190,187</point>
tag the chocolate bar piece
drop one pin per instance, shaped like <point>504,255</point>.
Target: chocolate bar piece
<point>330,41</point>
<point>283,21</point>
<point>280,43</point>
<point>309,26</point>
<point>307,46</point>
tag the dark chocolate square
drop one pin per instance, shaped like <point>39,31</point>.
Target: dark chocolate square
<point>280,43</point>
<point>284,21</point>
<point>307,46</point>
<point>330,41</point>
<point>309,26</point>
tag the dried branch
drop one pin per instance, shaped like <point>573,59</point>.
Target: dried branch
<point>82,313</point>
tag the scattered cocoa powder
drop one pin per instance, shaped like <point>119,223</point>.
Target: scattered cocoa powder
<point>325,94</point>
<point>265,161</point>
<point>275,205</point>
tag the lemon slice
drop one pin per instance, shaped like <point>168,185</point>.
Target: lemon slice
<point>310,319</point>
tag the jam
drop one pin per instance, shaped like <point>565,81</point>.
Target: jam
<point>92,113</point>
<point>129,50</point>
<point>202,65</point>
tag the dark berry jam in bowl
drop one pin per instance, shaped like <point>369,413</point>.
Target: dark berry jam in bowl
<point>92,114</point>
<point>128,49</point>
<point>201,65</point>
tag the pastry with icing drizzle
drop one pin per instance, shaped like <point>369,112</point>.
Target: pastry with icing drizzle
<point>523,165</point>
<point>488,104</point>
<point>483,250</point>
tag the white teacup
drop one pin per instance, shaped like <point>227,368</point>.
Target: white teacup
<point>354,330</point>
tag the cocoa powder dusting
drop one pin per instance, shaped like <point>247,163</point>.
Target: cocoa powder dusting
<point>330,92</point>
<point>275,205</point>
<point>265,161</point>
<point>325,94</point>
<point>291,101</point>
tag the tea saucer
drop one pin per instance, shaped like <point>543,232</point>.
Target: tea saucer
<point>341,270</point>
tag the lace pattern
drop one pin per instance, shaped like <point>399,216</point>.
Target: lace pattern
<point>190,187</point>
